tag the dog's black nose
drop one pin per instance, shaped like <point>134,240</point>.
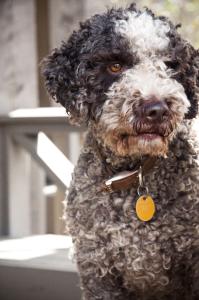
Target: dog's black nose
<point>155,111</point>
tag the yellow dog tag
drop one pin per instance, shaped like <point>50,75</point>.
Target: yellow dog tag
<point>145,208</point>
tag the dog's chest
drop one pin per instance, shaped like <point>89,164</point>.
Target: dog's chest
<point>143,252</point>
<point>138,254</point>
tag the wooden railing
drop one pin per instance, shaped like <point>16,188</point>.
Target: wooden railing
<point>30,129</point>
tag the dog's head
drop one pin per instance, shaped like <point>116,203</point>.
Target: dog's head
<point>129,75</point>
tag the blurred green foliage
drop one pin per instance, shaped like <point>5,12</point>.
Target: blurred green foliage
<point>179,11</point>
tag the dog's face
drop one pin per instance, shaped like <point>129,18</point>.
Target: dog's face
<point>130,76</point>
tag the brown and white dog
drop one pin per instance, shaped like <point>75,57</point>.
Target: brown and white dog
<point>134,81</point>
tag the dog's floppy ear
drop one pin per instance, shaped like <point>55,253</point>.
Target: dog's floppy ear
<point>186,66</point>
<point>188,58</point>
<point>60,73</point>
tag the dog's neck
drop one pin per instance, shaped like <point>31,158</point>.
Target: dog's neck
<point>110,159</point>
<point>111,162</point>
<point>119,173</point>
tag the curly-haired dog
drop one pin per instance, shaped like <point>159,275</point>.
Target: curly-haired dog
<point>134,81</point>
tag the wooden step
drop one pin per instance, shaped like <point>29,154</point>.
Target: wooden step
<point>38,268</point>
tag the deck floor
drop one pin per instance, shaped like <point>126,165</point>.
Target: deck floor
<point>38,268</point>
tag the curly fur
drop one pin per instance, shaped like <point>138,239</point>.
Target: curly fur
<point>118,256</point>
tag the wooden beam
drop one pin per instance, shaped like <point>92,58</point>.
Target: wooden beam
<point>33,148</point>
<point>3,182</point>
<point>42,37</point>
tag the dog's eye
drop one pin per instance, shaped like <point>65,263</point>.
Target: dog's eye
<point>115,68</point>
